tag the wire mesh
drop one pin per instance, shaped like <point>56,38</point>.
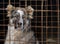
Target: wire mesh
<point>46,22</point>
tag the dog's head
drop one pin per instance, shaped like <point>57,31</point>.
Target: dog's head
<point>18,17</point>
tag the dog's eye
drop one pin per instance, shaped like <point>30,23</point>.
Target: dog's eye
<point>23,16</point>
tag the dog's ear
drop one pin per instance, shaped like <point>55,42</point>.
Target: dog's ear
<point>30,11</point>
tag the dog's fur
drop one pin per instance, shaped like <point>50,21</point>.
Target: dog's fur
<point>17,33</point>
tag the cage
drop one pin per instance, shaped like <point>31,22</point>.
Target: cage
<point>46,22</point>
<point>51,41</point>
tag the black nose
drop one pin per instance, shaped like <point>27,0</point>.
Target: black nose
<point>19,23</point>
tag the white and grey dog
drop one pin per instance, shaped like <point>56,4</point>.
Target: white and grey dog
<point>18,27</point>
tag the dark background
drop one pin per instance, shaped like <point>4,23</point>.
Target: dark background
<point>43,29</point>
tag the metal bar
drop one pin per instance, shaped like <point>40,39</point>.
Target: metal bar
<point>58,24</point>
<point>42,20</point>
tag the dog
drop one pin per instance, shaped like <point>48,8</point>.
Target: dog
<point>18,31</point>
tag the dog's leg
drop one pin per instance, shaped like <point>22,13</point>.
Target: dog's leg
<point>10,37</point>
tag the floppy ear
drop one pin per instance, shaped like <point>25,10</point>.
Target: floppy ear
<point>30,11</point>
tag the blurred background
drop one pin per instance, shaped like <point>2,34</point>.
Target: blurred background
<point>46,22</point>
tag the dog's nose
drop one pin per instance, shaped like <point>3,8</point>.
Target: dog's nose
<point>20,23</point>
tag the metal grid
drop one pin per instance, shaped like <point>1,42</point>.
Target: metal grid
<point>45,23</point>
